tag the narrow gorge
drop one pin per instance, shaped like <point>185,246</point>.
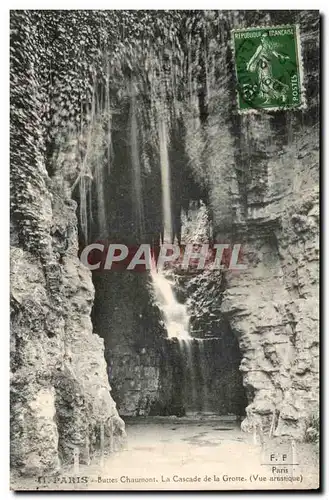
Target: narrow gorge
<point>125,130</point>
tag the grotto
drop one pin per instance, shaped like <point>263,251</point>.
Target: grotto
<point>125,129</point>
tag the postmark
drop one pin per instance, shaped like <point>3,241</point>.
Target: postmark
<point>268,68</point>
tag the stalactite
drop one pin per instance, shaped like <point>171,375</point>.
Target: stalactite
<point>158,73</point>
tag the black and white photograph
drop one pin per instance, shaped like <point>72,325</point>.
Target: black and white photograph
<point>164,250</point>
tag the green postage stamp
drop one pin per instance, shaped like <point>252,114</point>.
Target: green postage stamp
<point>268,68</point>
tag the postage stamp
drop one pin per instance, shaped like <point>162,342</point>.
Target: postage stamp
<point>268,68</point>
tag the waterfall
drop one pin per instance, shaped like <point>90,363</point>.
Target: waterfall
<point>135,162</point>
<point>175,314</point>
<point>191,351</point>
<point>165,177</point>
<point>195,376</point>
<point>177,320</point>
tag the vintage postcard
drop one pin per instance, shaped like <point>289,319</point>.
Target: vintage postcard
<point>164,250</point>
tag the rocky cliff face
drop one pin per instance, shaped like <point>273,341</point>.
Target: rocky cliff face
<point>273,306</point>
<point>60,396</point>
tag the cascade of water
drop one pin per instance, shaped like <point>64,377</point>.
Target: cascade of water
<point>136,167</point>
<point>203,375</point>
<point>165,176</point>
<point>83,207</point>
<point>190,382</point>
<point>175,314</point>
<point>99,181</point>
<point>108,116</point>
<point>85,175</point>
<point>91,178</point>
<point>195,379</point>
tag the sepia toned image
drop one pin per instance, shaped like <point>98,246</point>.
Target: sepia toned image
<point>164,257</point>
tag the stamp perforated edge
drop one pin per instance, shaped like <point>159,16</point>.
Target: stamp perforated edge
<point>302,105</point>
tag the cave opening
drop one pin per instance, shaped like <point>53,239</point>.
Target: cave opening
<point>158,365</point>
<point>153,374</point>
<point>142,187</point>
<point>154,368</point>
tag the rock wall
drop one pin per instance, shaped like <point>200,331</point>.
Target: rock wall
<point>60,394</point>
<point>124,314</point>
<point>135,377</point>
<point>273,309</point>
<point>59,388</point>
<point>273,306</point>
